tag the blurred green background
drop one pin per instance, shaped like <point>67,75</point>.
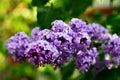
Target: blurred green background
<point>23,15</point>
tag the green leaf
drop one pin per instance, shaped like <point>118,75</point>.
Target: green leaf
<point>76,6</point>
<point>67,70</point>
<point>108,74</point>
<point>64,10</point>
<point>46,15</point>
<point>114,21</point>
<point>39,2</point>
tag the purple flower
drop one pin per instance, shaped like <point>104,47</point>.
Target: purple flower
<point>35,32</point>
<point>62,41</point>
<point>116,61</point>
<point>85,59</point>
<point>60,26</point>
<point>41,52</point>
<point>98,32</point>
<point>113,48</point>
<point>45,34</point>
<point>17,45</point>
<point>100,65</point>
<point>64,57</point>
<point>81,41</point>
<point>77,25</point>
<point>113,45</point>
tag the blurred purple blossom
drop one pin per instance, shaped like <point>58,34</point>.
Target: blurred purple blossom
<point>64,41</point>
<point>113,48</point>
<point>17,45</point>
<point>98,32</point>
<point>77,25</point>
<point>41,52</point>
<point>85,59</point>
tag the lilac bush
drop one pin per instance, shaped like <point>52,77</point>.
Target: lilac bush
<point>64,42</point>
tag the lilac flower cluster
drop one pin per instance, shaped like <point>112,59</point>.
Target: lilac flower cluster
<point>112,50</point>
<point>98,32</point>
<point>17,45</point>
<point>85,59</point>
<point>63,42</point>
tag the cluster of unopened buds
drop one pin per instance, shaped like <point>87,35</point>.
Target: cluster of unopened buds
<point>77,40</point>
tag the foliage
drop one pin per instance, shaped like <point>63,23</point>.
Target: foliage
<point>59,9</point>
<point>20,15</point>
